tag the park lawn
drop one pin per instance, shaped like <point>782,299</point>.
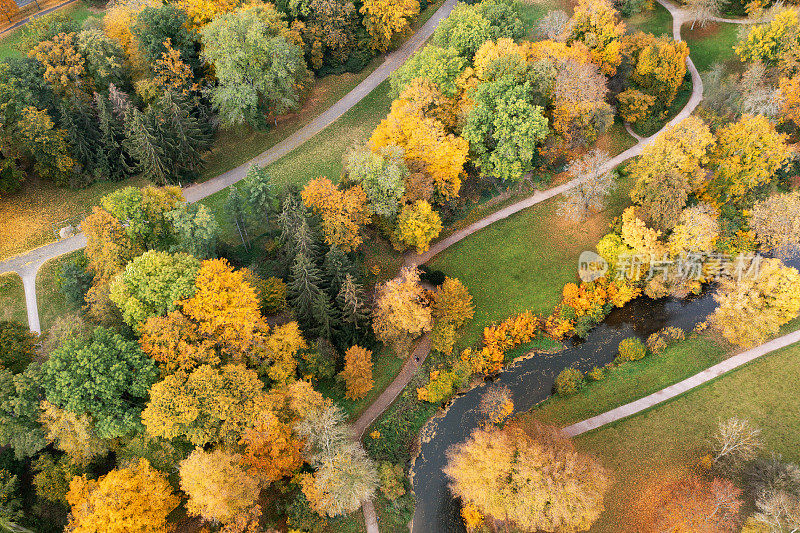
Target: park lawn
<point>524,261</point>
<point>52,303</point>
<point>79,11</point>
<point>657,21</point>
<point>713,44</point>
<point>12,299</point>
<point>672,437</point>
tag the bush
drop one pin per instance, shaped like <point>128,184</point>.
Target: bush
<point>631,349</point>
<point>428,275</point>
<point>596,374</point>
<point>393,480</point>
<point>300,516</point>
<point>660,340</point>
<point>569,381</point>
<point>443,337</point>
<point>74,280</point>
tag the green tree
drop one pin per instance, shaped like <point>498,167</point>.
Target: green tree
<point>17,346</point>
<point>144,146</point>
<point>152,284</point>
<point>46,145</point>
<point>260,71</point>
<point>155,25</point>
<point>183,139</point>
<point>382,176</point>
<point>235,209</point>
<point>440,66</point>
<point>196,230</point>
<point>469,26</point>
<point>108,378</point>
<point>20,395</point>
<point>143,212</point>
<point>305,291</point>
<point>259,193</point>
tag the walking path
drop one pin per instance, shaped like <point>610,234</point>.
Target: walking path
<point>28,264</point>
<point>679,388</point>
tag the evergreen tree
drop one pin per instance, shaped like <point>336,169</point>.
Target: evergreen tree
<point>80,120</point>
<point>259,193</point>
<point>335,267</point>
<point>143,144</point>
<point>113,162</point>
<point>325,316</point>
<point>304,290</point>
<point>352,306</point>
<point>196,230</point>
<point>234,206</point>
<point>183,140</point>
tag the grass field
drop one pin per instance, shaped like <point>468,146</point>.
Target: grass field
<point>713,44</point>
<point>52,303</point>
<point>524,261</point>
<point>657,21</point>
<point>671,437</point>
<point>12,299</point>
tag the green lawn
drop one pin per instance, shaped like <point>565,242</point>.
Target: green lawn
<point>52,303</point>
<point>657,21</point>
<point>672,436</point>
<point>524,261</point>
<point>12,299</point>
<point>78,11</point>
<point>713,44</point>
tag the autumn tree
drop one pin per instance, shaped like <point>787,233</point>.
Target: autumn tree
<point>735,442</point>
<point>441,66</point>
<point>496,404</point>
<point>768,43</point>
<point>152,284</point>
<point>261,72</point>
<point>17,346</point>
<point>176,342</point>
<point>580,111</point>
<point>776,222</point>
<point>594,181</point>
<point>118,25</point>
<point>343,213</point>
<point>357,373</point>
<point>217,484</point>
<point>160,28</point>
<point>271,449</point>
<point>46,145</point>
<point>328,28</point>
<point>201,12</point>
<point>552,25</point>
<point>669,169</point>
<point>136,499</point>
<point>452,306</point>
<point>352,304</point>
<point>686,503</point>
<point>206,405</point>
<point>660,66</point>
<point>107,378</point>
<point>534,479</point>
<point>418,224</point>
<point>64,66</point>
<point>382,177</point>
<point>384,19</point>
<point>746,155</point>
<point>143,215</point>
<point>471,25</point>
<point>401,312</point>
<point>753,305</point>
<point>74,434</point>
<point>596,24</point>
<point>703,11</point>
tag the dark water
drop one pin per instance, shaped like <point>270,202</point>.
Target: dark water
<point>531,381</point>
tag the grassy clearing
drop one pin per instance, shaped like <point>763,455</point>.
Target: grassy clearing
<point>713,44</point>
<point>657,21</point>
<point>52,303</point>
<point>12,299</point>
<point>524,261</point>
<point>78,11</point>
<point>672,437</point>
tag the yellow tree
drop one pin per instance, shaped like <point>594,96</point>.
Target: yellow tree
<point>357,373</point>
<point>271,449</point>
<point>790,90</point>
<point>418,224</point>
<point>118,22</point>
<point>64,66</point>
<point>401,311</point>
<point>136,499</point>
<point>176,343</point>
<point>279,351</point>
<point>72,434</point>
<point>533,478</point>
<point>757,301</point>
<point>452,303</point>
<point>386,18</point>
<point>660,65</point>
<point>343,213</point>
<point>218,486</point>
<point>201,12</point>
<point>597,24</point>
<point>746,155</point>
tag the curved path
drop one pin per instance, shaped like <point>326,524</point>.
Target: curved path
<point>28,264</point>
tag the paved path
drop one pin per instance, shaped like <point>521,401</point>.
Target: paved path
<point>679,388</point>
<point>27,265</point>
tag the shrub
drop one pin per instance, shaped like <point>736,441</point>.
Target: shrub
<point>393,484</point>
<point>569,381</point>
<point>432,276</point>
<point>596,374</point>
<point>660,340</point>
<point>631,349</point>
<point>444,383</point>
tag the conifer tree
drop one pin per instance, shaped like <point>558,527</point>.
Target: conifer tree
<point>325,316</point>
<point>304,290</point>
<point>234,206</point>
<point>259,193</point>
<point>335,267</point>
<point>353,308</point>
<point>113,162</point>
<point>143,144</point>
<point>79,119</point>
<point>184,141</point>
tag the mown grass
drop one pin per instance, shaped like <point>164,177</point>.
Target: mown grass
<point>12,299</point>
<point>657,21</point>
<point>713,44</point>
<point>672,437</point>
<point>524,261</point>
<point>52,303</point>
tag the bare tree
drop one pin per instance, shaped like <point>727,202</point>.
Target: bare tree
<point>595,181</point>
<point>735,442</point>
<point>703,11</point>
<point>552,25</point>
<point>779,510</point>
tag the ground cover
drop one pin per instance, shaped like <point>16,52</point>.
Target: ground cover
<point>51,301</point>
<point>12,299</point>
<point>712,44</point>
<point>657,21</point>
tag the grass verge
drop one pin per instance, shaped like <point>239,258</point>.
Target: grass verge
<point>52,303</point>
<point>12,299</point>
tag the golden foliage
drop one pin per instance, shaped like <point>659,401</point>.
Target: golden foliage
<point>597,24</point>
<point>201,12</point>
<point>418,224</point>
<point>401,311</point>
<point>357,373</point>
<point>343,212</point>
<point>271,451</point>
<point>64,66</point>
<point>386,18</point>
<point>634,104</point>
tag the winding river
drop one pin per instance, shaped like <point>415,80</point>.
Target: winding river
<point>531,381</point>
